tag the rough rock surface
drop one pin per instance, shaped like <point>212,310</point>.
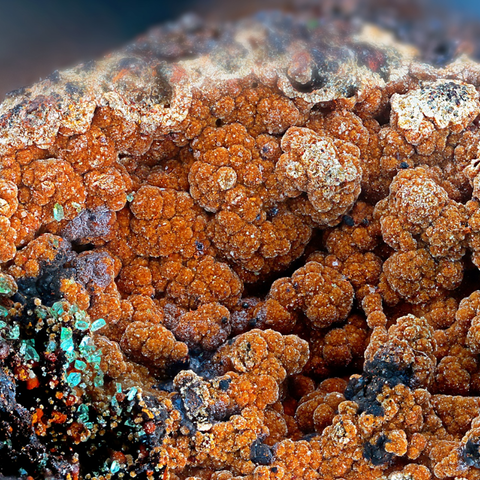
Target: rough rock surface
<point>243,251</point>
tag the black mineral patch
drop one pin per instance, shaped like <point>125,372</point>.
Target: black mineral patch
<point>176,367</point>
<point>382,370</point>
<point>46,286</point>
<point>160,415</point>
<point>317,82</point>
<point>200,362</point>
<point>363,391</point>
<point>385,366</point>
<point>260,453</point>
<point>350,91</point>
<point>375,453</point>
<point>224,384</point>
<point>20,444</point>
<point>471,453</point>
<point>177,402</point>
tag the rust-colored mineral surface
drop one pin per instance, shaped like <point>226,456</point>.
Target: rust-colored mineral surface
<point>243,251</point>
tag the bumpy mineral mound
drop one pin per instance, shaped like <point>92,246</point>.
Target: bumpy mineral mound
<point>243,251</point>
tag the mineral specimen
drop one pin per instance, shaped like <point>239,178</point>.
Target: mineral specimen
<point>245,251</point>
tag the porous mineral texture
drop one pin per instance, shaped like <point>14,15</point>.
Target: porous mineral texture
<point>243,251</point>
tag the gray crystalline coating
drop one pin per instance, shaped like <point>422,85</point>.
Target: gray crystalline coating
<point>91,267</point>
<point>88,223</point>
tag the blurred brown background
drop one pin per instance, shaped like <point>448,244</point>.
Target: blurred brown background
<point>40,36</point>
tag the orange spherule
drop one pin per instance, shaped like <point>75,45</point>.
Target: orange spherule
<point>152,345</point>
<point>164,222</point>
<point>316,410</point>
<point>326,169</point>
<point>197,281</point>
<point>52,182</point>
<point>320,292</point>
<point>207,327</point>
<point>417,277</point>
<point>418,213</point>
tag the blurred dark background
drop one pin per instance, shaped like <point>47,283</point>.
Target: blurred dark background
<point>40,36</point>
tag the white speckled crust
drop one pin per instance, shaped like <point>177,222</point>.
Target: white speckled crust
<point>136,92</point>
<point>327,169</point>
<point>156,94</point>
<point>435,105</point>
